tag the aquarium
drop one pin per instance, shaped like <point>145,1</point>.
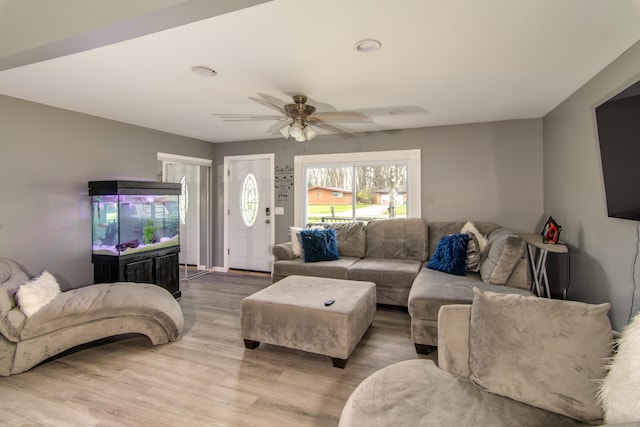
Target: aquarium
<point>130,217</point>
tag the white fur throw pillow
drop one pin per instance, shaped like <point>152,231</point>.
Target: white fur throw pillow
<point>38,292</point>
<point>295,240</point>
<point>620,389</point>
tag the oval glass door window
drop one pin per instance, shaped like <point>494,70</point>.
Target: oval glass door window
<point>249,200</point>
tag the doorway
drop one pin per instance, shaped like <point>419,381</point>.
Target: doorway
<point>248,207</point>
<point>194,176</point>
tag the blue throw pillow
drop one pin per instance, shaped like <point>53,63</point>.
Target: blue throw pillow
<point>319,245</point>
<point>451,255</point>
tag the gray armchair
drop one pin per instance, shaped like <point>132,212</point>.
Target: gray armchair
<point>505,360</point>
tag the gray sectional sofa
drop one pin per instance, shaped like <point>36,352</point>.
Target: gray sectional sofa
<point>432,289</point>
<point>393,253</point>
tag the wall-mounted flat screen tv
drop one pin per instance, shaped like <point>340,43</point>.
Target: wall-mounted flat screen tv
<point>618,122</point>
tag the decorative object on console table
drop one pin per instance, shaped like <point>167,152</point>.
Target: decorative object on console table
<point>135,233</point>
<point>551,231</point>
<point>538,251</point>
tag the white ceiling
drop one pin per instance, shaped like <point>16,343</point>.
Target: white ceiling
<point>442,62</point>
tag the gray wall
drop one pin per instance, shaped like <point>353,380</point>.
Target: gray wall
<point>47,156</point>
<point>485,172</point>
<point>603,250</point>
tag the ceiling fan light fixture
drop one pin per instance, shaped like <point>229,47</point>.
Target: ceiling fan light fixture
<point>301,138</point>
<point>310,132</point>
<point>285,131</point>
<point>295,130</point>
<point>368,45</point>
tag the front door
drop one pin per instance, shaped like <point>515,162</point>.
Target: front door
<point>249,213</point>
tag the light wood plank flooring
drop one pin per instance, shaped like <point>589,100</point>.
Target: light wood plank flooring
<point>207,378</point>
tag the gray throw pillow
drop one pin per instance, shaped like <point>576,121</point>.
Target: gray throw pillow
<point>504,252</point>
<point>547,353</point>
<point>351,237</point>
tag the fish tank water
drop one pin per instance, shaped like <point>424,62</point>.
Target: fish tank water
<point>131,217</point>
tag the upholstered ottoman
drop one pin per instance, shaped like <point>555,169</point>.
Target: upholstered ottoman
<point>292,313</point>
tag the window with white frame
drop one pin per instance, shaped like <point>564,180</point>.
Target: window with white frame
<point>372,185</point>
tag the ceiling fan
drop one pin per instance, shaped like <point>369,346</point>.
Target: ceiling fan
<point>299,117</point>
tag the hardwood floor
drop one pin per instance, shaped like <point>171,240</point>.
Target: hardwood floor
<point>207,378</point>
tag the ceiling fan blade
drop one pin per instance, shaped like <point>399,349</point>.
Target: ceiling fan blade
<point>274,129</point>
<point>269,102</point>
<point>341,116</point>
<point>332,128</point>
<point>247,117</point>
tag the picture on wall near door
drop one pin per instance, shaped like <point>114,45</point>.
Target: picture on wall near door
<point>551,231</point>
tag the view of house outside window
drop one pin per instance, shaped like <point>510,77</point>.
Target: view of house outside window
<point>356,193</point>
<point>358,186</point>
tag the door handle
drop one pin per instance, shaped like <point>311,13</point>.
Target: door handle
<point>267,221</point>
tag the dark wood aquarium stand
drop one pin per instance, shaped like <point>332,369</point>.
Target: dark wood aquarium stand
<point>159,267</point>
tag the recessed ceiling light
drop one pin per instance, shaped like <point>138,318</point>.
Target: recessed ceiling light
<point>368,45</point>
<point>203,71</point>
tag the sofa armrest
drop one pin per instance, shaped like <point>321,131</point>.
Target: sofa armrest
<point>453,338</point>
<point>281,251</point>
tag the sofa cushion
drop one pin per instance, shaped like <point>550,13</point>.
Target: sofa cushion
<point>451,255</point>
<point>433,289</point>
<point>385,272</point>
<point>547,353</point>
<point>393,277</point>
<point>351,237</point>
<point>319,245</point>
<point>333,269</point>
<point>417,393</point>
<point>401,238</point>
<point>505,250</point>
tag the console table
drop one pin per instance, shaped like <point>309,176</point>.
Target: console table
<point>538,251</point>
